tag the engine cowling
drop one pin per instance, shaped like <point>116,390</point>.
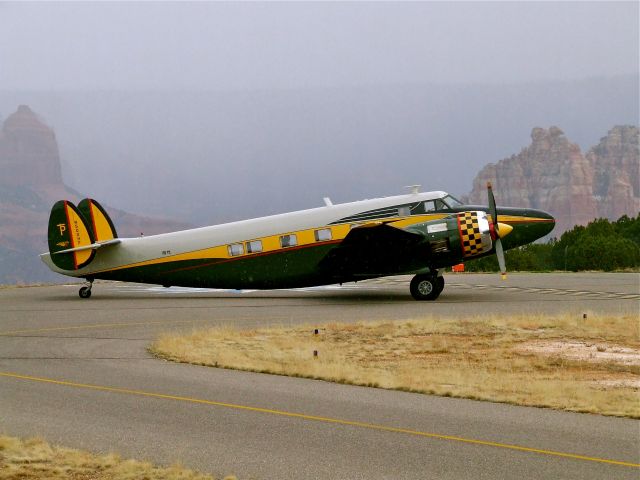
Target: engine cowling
<point>459,236</point>
<point>475,233</point>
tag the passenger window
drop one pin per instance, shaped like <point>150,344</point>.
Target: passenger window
<point>323,235</point>
<point>404,211</point>
<point>288,240</point>
<point>236,249</point>
<point>254,246</point>
<point>429,206</point>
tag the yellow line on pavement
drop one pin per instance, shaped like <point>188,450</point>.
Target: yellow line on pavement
<point>93,326</point>
<point>337,421</point>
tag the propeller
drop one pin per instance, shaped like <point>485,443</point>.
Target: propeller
<point>496,228</point>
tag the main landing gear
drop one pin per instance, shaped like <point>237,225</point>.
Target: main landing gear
<point>426,286</point>
<point>85,292</point>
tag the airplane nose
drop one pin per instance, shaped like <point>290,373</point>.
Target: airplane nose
<point>528,225</point>
<point>546,220</point>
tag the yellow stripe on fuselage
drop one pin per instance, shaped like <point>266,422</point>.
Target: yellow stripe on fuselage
<point>305,237</point>
<point>510,219</point>
<point>272,243</point>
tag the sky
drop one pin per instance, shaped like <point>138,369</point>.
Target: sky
<point>258,46</point>
<point>289,102</point>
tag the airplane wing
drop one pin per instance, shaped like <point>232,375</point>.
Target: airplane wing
<point>375,248</point>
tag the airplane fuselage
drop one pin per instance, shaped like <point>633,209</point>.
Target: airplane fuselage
<point>290,250</point>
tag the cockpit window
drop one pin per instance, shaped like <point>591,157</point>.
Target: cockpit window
<point>440,205</point>
<point>452,201</point>
<point>429,206</point>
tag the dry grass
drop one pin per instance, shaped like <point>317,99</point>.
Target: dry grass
<point>520,360</point>
<point>35,459</point>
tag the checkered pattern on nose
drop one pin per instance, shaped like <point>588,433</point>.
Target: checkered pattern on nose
<point>470,237</point>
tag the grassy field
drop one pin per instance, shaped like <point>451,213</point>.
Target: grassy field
<point>36,459</point>
<point>561,362</point>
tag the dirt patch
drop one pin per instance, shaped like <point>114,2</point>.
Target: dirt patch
<point>600,352</point>
<point>620,383</point>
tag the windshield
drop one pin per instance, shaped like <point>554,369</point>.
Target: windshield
<point>452,201</point>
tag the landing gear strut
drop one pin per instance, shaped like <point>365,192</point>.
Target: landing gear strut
<point>85,292</point>
<point>426,286</point>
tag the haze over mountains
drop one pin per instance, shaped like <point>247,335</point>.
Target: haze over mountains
<point>30,184</point>
<point>210,157</point>
<point>206,157</point>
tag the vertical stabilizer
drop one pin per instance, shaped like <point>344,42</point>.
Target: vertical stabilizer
<point>98,220</point>
<point>68,229</point>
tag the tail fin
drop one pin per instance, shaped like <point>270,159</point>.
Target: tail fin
<point>99,222</point>
<point>68,230</point>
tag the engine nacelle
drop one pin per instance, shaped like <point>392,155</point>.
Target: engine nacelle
<point>462,235</point>
<point>476,236</point>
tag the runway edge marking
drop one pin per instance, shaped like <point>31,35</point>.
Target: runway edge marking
<point>337,421</point>
<point>90,327</point>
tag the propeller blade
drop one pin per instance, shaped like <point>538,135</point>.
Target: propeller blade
<point>493,211</point>
<point>500,255</point>
<point>492,207</point>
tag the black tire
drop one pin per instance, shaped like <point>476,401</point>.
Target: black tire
<point>440,284</point>
<point>424,287</point>
<point>85,292</point>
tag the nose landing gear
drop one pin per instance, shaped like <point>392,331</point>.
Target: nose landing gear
<point>426,286</point>
<point>85,291</point>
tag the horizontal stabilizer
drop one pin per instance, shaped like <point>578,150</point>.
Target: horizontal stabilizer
<point>93,246</point>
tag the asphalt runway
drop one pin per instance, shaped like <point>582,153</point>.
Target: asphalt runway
<point>76,372</point>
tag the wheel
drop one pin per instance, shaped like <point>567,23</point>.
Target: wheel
<point>440,284</point>
<point>425,287</point>
<point>85,292</point>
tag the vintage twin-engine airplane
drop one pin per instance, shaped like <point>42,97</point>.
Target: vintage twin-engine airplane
<point>416,233</point>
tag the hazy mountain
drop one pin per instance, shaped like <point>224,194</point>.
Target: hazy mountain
<point>30,184</point>
<point>206,157</point>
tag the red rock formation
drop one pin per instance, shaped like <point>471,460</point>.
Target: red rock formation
<point>552,174</point>
<point>28,151</point>
<point>30,182</point>
<point>617,172</point>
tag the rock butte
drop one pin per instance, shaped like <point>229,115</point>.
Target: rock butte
<point>552,174</point>
<point>31,181</point>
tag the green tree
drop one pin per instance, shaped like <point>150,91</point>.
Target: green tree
<point>601,245</point>
<point>535,257</point>
<point>629,228</point>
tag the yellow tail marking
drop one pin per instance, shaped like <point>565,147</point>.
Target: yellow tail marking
<point>101,226</point>
<point>79,236</point>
